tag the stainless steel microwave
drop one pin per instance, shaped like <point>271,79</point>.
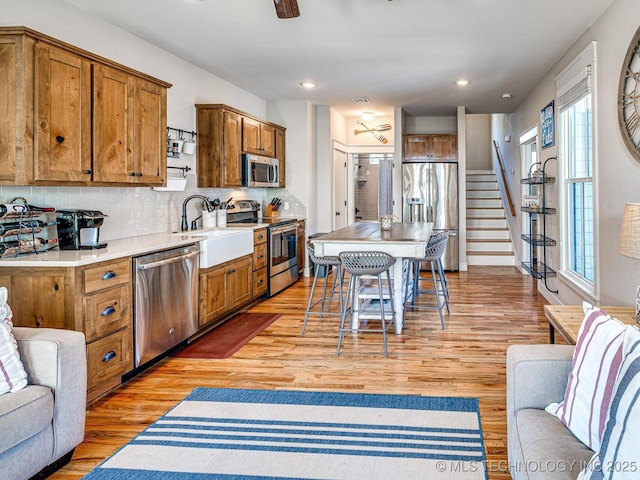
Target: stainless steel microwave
<point>260,171</point>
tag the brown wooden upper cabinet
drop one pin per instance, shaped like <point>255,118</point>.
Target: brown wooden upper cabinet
<point>71,117</point>
<point>280,154</point>
<point>257,137</point>
<point>224,134</point>
<point>432,147</point>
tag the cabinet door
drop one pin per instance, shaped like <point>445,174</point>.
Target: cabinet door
<point>417,147</point>
<point>231,159</point>
<point>267,140</point>
<point>63,116</point>
<point>239,281</point>
<point>213,295</point>
<point>280,155</point>
<point>113,114</point>
<point>251,136</point>
<point>38,300</point>
<point>150,117</point>
<point>11,93</point>
<point>444,147</point>
<point>258,137</point>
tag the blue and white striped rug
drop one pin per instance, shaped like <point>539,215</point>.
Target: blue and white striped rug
<point>259,434</point>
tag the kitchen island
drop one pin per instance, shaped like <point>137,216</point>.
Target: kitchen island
<point>404,240</point>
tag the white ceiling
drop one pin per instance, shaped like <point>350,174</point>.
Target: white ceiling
<point>400,53</point>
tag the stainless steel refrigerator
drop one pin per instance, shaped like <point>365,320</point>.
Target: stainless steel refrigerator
<point>430,194</point>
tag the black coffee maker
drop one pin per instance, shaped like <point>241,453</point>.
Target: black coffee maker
<point>79,229</point>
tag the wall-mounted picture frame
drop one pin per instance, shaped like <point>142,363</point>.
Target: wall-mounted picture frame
<point>547,125</point>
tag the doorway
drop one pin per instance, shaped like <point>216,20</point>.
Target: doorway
<point>372,176</point>
<point>374,191</point>
<point>528,157</point>
<point>340,190</point>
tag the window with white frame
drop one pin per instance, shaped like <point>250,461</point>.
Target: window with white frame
<point>575,90</point>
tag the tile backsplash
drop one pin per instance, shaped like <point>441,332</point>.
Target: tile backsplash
<point>141,210</point>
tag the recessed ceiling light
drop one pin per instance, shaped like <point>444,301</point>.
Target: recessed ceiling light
<point>368,116</point>
<point>462,82</point>
<point>507,95</point>
<point>308,85</point>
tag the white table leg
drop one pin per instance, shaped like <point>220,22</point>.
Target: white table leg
<point>397,295</point>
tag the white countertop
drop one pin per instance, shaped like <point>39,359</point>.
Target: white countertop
<point>125,247</point>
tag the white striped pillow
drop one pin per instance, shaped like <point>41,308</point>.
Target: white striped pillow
<point>618,455</point>
<point>12,374</point>
<point>596,362</point>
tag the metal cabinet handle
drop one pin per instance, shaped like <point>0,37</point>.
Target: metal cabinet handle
<point>109,274</point>
<point>109,356</point>
<point>108,311</point>
<point>260,280</point>
<point>260,256</point>
<point>260,236</point>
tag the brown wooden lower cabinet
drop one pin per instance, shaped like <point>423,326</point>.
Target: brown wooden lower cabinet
<point>259,262</point>
<point>95,300</point>
<point>224,287</point>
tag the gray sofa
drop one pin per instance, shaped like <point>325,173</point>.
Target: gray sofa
<point>42,423</point>
<point>539,445</point>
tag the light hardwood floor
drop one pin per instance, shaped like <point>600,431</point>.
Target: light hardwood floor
<point>491,308</point>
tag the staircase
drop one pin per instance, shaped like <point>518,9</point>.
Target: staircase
<point>488,238</point>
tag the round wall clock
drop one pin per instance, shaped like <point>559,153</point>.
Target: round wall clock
<point>629,98</point>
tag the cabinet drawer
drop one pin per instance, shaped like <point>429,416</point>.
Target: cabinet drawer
<point>106,276</point>
<point>259,282</point>
<point>108,358</point>
<point>260,236</point>
<point>107,311</point>
<point>259,256</point>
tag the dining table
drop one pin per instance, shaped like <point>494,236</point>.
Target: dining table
<point>403,240</point>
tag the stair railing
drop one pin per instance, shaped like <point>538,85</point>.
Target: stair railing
<point>504,180</point>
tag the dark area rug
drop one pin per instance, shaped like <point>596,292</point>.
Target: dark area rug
<point>226,339</point>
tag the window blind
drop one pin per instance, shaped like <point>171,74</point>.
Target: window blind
<point>577,92</point>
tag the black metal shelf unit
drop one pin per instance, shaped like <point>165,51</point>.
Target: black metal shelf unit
<point>537,267</point>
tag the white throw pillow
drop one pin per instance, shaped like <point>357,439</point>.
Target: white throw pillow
<point>618,456</point>
<point>596,362</point>
<point>12,374</point>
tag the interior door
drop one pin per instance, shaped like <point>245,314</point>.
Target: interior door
<point>340,189</point>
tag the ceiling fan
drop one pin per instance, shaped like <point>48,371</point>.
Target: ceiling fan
<point>287,8</point>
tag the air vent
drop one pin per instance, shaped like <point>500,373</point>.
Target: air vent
<point>360,100</point>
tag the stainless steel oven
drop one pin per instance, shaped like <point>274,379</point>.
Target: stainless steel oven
<point>282,248</point>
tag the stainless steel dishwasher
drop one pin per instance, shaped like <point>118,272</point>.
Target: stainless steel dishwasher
<point>165,301</point>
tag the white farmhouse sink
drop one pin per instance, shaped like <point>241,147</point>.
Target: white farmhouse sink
<point>222,244</point>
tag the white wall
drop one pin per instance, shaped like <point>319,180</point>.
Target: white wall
<point>478,128</point>
<point>616,173</point>
<point>431,125</point>
<point>131,210</point>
